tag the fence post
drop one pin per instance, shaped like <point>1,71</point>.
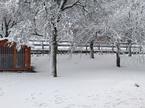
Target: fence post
<point>42,47</point>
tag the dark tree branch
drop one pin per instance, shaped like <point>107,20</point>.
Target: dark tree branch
<point>83,6</point>
<point>9,21</point>
<point>13,24</point>
<point>62,4</point>
<point>77,3</point>
<point>2,26</point>
<point>36,33</point>
<point>5,21</point>
<point>69,6</point>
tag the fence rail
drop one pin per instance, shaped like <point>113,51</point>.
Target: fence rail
<point>43,47</point>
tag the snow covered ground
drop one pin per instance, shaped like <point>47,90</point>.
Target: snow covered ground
<point>82,83</point>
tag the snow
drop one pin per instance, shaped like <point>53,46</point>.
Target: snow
<point>82,83</point>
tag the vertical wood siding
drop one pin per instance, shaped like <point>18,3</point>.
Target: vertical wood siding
<point>11,59</point>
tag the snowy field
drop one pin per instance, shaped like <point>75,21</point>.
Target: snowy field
<point>82,83</point>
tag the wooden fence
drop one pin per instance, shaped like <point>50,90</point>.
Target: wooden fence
<point>42,47</point>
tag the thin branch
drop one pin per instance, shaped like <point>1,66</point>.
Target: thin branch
<point>77,3</point>
<point>9,21</point>
<point>13,24</point>
<point>83,6</point>
<point>62,4</point>
<point>36,33</point>
<point>70,6</point>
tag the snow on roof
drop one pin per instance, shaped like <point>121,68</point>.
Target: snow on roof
<point>8,41</point>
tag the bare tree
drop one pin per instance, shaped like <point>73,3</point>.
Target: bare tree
<point>9,17</point>
<point>62,6</point>
<point>48,17</point>
<point>118,54</point>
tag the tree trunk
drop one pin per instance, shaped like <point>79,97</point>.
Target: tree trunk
<point>112,48</point>
<point>6,32</point>
<point>129,48</point>
<point>118,55</point>
<point>53,52</point>
<point>92,49</point>
<point>86,49</point>
<point>43,52</point>
<point>99,47</point>
<point>6,26</point>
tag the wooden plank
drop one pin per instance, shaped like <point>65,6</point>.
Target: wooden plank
<point>14,57</point>
<point>28,57</point>
<point>16,69</point>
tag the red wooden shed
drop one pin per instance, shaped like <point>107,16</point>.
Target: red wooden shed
<point>12,59</point>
